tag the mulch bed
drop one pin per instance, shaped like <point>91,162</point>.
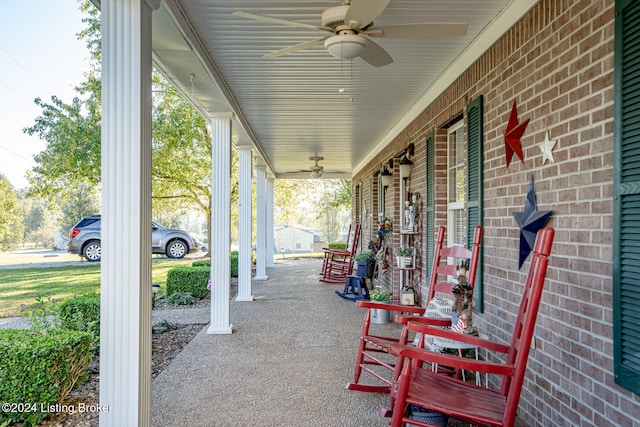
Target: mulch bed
<point>165,347</point>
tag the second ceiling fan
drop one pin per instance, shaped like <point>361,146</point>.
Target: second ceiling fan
<point>350,23</point>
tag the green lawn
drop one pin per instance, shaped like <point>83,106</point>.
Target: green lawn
<point>19,287</point>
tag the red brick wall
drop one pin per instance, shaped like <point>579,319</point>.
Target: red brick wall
<point>557,64</point>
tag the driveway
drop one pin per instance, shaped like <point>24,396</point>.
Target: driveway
<point>26,258</point>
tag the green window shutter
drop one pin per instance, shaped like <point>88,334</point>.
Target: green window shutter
<point>475,188</point>
<point>626,230</point>
<point>429,201</point>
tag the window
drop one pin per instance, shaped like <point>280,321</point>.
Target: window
<point>461,200</point>
<point>298,243</point>
<point>456,181</point>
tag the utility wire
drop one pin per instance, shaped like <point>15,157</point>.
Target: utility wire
<point>16,154</point>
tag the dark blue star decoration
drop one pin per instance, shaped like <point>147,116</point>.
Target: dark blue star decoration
<point>530,221</point>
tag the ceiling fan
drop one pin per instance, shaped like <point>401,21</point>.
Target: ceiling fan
<point>316,170</point>
<point>350,23</point>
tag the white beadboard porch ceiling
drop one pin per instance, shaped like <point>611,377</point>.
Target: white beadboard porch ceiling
<point>290,108</point>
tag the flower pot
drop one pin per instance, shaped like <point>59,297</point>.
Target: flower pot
<point>405,261</point>
<point>379,315</point>
<point>365,268</point>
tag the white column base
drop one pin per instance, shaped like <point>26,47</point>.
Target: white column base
<point>214,330</point>
<point>265,277</point>
<point>243,298</point>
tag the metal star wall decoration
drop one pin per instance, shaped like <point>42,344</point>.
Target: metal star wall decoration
<point>547,148</point>
<point>530,221</point>
<point>512,136</point>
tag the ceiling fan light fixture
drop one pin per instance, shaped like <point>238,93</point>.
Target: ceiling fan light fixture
<point>345,46</point>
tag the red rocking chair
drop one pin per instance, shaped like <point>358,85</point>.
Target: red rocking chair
<point>338,264</point>
<point>373,349</point>
<point>452,397</point>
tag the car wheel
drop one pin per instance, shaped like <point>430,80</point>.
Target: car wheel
<point>176,249</point>
<point>92,251</point>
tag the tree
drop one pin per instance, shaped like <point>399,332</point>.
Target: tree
<point>71,159</point>
<point>181,164</point>
<point>286,199</point>
<point>83,203</point>
<point>320,204</point>
<point>71,162</point>
<point>337,194</point>
<point>11,227</point>
<point>39,219</point>
<point>332,207</point>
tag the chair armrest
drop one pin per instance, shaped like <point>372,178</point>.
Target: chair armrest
<point>430,321</point>
<point>453,361</point>
<point>391,307</point>
<point>456,336</point>
<point>336,251</point>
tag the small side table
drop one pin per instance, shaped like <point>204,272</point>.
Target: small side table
<point>458,345</point>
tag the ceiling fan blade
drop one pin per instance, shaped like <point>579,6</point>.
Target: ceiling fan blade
<point>362,12</point>
<point>425,30</point>
<point>279,21</point>
<point>375,55</point>
<point>295,48</point>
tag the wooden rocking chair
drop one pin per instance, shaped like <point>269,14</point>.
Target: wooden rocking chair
<point>338,264</point>
<point>373,349</point>
<point>455,398</point>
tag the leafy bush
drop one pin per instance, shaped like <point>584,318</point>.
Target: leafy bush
<point>82,313</point>
<point>180,298</point>
<point>234,263</point>
<point>338,245</point>
<point>188,279</point>
<point>207,263</point>
<point>38,370</point>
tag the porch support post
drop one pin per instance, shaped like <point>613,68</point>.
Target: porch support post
<point>261,223</point>
<point>220,223</point>
<point>269,209</point>
<point>244,223</point>
<point>125,279</point>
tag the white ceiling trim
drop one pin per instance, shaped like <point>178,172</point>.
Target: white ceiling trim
<point>491,34</point>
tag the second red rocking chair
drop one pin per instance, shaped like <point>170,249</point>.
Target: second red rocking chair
<point>373,357</point>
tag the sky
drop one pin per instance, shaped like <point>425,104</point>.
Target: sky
<point>40,56</point>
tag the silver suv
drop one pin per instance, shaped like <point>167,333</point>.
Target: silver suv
<point>85,240</point>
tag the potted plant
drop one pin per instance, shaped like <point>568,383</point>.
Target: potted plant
<point>380,295</point>
<point>379,315</point>
<point>366,261</point>
<point>405,256</point>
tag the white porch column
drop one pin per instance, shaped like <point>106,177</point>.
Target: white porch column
<point>125,280</point>
<point>221,223</point>
<point>261,223</point>
<point>269,209</point>
<point>244,223</point>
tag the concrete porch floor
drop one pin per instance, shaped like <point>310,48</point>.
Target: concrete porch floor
<point>287,362</point>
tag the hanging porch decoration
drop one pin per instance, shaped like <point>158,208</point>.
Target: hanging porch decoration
<point>547,148</point>
<point>530,221</point>
<point>512,136</point>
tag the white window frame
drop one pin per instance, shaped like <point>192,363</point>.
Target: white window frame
<point>456,236</point>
